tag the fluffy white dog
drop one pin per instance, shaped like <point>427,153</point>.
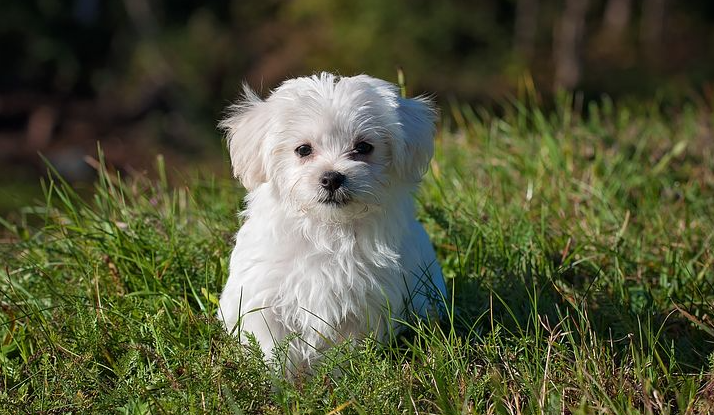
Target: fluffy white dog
<point>329,249</point>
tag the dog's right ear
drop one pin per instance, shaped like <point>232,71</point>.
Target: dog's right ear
<point>246,128</point>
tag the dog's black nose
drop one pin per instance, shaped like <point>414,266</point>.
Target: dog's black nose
<point>332,180</point>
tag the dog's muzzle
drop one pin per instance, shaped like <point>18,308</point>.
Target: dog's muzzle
<point>332,184</point>
<point>332,180</point>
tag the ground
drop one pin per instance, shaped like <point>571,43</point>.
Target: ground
<point>576,244</point>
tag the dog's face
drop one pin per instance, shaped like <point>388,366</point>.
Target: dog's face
<point>331,147</point>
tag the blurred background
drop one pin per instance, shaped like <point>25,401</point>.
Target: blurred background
<point>144,77</point>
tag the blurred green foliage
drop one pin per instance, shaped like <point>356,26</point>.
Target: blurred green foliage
<point>155,75</point>
<point>204,49</point>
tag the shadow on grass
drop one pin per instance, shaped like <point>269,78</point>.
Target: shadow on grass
<point>517,301</point>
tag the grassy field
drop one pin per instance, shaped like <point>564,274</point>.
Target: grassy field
<point>578,250</point>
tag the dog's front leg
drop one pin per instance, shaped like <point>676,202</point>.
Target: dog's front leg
<point>264,325</point>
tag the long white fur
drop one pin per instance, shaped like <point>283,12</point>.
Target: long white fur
<point>321,272</point>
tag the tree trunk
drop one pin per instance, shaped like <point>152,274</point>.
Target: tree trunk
<point>567,44</point>
<point>653,13</point>
<point>526,27</point>
<point>616,18</point>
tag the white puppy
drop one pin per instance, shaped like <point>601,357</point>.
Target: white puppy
<point>329,249</point>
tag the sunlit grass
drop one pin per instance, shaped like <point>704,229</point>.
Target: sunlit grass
<point>578,251</point>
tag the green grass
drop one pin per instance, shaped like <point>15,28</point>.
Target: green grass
<point>579,252</point>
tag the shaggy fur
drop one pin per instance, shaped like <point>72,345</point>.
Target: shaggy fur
<point>329,265</point>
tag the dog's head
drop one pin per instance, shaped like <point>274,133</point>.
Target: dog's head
<point>331,146</point>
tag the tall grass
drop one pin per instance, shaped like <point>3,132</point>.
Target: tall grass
<point>578,251</point>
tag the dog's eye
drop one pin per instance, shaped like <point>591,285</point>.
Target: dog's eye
<point>304,150</point>
<point>363,147</point>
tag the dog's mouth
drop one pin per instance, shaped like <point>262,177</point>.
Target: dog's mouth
<point>336,199</point>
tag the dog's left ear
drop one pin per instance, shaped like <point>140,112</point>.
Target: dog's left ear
<point>413,150</point>
<point>247,127</point>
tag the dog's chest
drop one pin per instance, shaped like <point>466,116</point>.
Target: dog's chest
<point>317,279</point>
<point>329,287</point>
